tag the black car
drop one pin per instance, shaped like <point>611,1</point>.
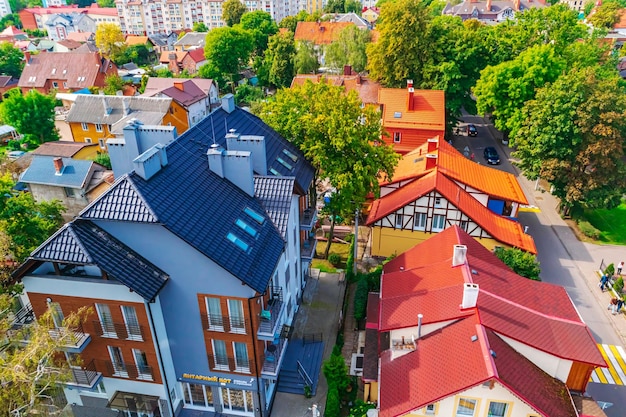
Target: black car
<point>491,155</point>
<point>471,130</point>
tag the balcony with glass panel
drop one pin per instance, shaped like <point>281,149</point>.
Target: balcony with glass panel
<point>273,357</point>
<point>85,376</point>
<point>272,316</point>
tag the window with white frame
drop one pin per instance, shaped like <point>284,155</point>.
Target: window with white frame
<point>242,364</point>
<point>463,225</point>
<point>106,320</point>
<point>133,329</point>
<point>87,140</point>
<point>397,137</point>
<point>214,313</point>
<point>98,127</point>
<point>439,222</point>
<point>399,219</point>
<point>235,315</point>
<point>438,202</point>
<point>419,221</point>
<point>497,409</point>
<point>143,369</point>
<point>466,407</point>
<point>198,395</point>
<point>219,355</point>
<point>237,400</point>
<point>84,126</point>
<point>117,360</point>
<point>430,410</point>
<point>102,143</point>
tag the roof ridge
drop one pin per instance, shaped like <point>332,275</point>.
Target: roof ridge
<point>486,348</point>
<point>132,184</point>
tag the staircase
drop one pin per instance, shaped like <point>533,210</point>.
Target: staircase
<point>308,352</point>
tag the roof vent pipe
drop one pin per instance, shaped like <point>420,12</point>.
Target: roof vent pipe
<point>459,257</point>
<point>419,325</point>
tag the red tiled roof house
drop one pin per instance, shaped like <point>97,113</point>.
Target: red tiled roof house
<point>455,332</point>
<point>434,187</point>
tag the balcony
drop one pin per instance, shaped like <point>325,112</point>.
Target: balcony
<point>307,249</point>
<point>22,317</point>
<point>274,357</point>
<point>131,371</point>
<point>72,339</point>
<point>217,323</point>
<point>85,377</point>
<point>272,317</point>
<point>118,330</point>
<point>308,218</point>
<point>230,364</point>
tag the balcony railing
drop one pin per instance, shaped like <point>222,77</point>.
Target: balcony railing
<point>307,249</point>
<point>72,339</point>
<point>217,323</point>
<point>128,370</point>
<point>22,317</point>
<point>273,356</point>
<point>118,330</point>
<point>228,363</point>
<point>85,376</point>
<point>271,318</point>
<point>308,218</point>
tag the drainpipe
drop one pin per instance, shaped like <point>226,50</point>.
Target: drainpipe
<point>160,356</point>
<point>256,365</point>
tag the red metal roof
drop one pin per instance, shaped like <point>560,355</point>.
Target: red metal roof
<point>500,228</point>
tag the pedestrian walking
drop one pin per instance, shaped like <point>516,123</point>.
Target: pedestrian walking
<point>612,305</point>
<point>604,281</point>
<point>620,266</point>
<point>472,156</point>
<point>620,303</point>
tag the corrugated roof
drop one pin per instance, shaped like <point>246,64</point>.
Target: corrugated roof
<point>83,243</point>
<point>90,108</point>
<point>500,228</point>
<point>275,194</point>
<point>320,33</point>
<point>75,172</point>
<point>452,164</point>
<point>429,109</point>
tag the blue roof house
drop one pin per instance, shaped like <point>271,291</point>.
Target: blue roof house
<point>193,263</point>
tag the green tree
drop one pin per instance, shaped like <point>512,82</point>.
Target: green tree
<point>12,19</point>
<point>261,26</point>
<point>227,49</point>
<point>353,6</point>
<point>32,115</point>
<point>279,60</point>
<point>349,49</point>
<point>522,263</point>
<point>290,22</point>
<point>139,54</point>
<point>305,61</point>
<point>606,15</point>
<point>341,139</point>
<point>103,159</point>
<point>109,38</point>
<point>334,6</point>
<point>11,60</point>
<point>106,3</point>
<point>33,372</point>
<point>400,51</point>
<point>200,27</point>
<point>247,94</point>
<point>502,90</point>
<point>573,136</point>
<point>232,10</point>
<point>113,84</point>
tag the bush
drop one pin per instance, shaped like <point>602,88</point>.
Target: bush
<point>334,259</point>
<point>333,407</point>
<point>619,285</point>
<point>336,371</point>
<point>522,263</point>
<point>588,230</point>
<point>360,409</point>
<point>14,145</point>
<point>350,275</point>
<point>360,298</point>
<point>610,270</point>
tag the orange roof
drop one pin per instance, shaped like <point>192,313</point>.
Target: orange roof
<point>428,109</point>
<point>136,40</point>
<point>165,56</point>
<point>453,165</point>
<point>366,88</point>
<point>621,24</point>
<point>320,33</point>
<point>500,228</point>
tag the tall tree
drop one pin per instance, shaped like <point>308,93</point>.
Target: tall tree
<point>32,115</point>
<point>200,27</point>
<point>574,137</point>
<point>12,19</point>
<point>11,60</point>
<point>335,6</point>
<point>227,49</point>
<point>290,22</point>
<point>349,49</point>
<point>305,61</point>
<point>279,60</point>
<point>109,38</point>
<point>401,49</point>
<point>261,25</point>
<point>502,90</point>
<point>113,84</point>
<point>341,139</point>
<point>232,10</point>
<point>606,15</point>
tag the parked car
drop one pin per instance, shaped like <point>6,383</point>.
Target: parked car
<point>491,155</point>
<point>471,130</point>
<point>13,155</point>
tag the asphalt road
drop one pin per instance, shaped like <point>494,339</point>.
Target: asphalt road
<point>565,260</point>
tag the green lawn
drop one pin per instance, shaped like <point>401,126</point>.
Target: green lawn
<point>325,266</point>
<point>611,223</point>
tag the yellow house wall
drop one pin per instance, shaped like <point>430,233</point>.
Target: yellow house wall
<point>387,241</point>
<point>177,116</point>
<point>79,135</point>
<point>371,394</point>
<point>87,153</point>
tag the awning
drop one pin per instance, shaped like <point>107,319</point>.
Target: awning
<point>129,401</point>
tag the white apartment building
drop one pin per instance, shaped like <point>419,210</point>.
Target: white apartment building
<point>5,8</point>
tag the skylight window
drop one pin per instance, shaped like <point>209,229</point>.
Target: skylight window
<point>273,171</point>
<point>397,115</point>
<point>238,242</point>
<point>291,156</point>
<point>284,163</point>
<point>246,228</point>
<point>255,216</point>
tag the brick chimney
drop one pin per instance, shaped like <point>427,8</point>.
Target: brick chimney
<point>431,161</point>
<point>411,104</point>
<point>179,85</point>
<point>58,165</point>
<point>433,144</point>
<point>347,70</point>
<point>173,63</point>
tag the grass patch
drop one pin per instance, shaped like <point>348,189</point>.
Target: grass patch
<point>322,264</point>
<point>610,223</point>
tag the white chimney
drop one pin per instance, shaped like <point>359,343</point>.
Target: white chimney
<point>470,295</point>
<point>459,257</point>
<point>419,325</point>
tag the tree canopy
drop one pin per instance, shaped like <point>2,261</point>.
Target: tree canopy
<point>232,11</point>
<point>261,26</point>
<point>305,61</point>
<point>279,60</point>
<point>226,49</point>
<point>349,49</point>
<point>11,60</point>
<point>200,27</point>
<point>109,38</point>
<point>606,15</point>
<point>32,115</point>
<point>522,263</point>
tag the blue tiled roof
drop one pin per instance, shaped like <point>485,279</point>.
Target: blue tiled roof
<point>247,123</point>
<point>82,242</point>
<point>275,193</point>
<point>42,171</point>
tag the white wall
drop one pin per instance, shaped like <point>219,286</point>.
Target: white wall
<point>80,287</point>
